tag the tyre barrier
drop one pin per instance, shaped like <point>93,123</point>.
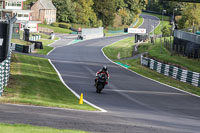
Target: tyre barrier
<point>23,48</point>
<point>172,71</point>
<point>4,73</point>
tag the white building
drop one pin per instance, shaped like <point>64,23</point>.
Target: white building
<point>15,7</point>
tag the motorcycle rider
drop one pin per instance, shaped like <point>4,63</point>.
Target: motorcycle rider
<point>103,70</point>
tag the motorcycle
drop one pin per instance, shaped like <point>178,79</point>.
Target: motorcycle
<point>100,82</point>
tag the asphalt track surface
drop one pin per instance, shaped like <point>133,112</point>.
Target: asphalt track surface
<point>135,104</point>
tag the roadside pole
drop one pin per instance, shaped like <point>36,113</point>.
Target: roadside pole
<point>11,21</point>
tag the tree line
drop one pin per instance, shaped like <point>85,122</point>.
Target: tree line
<point>96,13</point>
<point>107,13</point>
<point>188,14</point>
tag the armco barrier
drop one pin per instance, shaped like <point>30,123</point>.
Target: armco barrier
<point>4,73</point>
<point>172,71</point>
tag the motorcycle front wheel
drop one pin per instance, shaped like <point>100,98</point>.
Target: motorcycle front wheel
<point>99,88</point>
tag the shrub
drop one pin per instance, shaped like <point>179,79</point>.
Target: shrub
<point>64,25</point>
<point>55,24</point>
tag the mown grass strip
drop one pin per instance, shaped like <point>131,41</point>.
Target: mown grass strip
<point>166,57</point>
<point>44,51</point>
<point>22,128</point>
<point>112,50</point>
<point>22,42</point>
<point>34,81</point>
<point>141,19</point>
<point>56,29</point>
<point>46,48</point>
<point>120,49</point>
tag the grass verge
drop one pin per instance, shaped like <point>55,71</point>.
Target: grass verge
<point>56,29</point>
<point>120,49</point>
<point>22,42</point>
<point>166,57</point>
<point>113,34</point>
<point>44,51</point>
<point>21,128</point>
<point>138,68</point>
<point>141,19</point>
<point>34,81</point>
<point>46,48</point>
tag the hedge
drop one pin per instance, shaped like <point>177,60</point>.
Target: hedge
<point>61,25</point>
<point>56,24</point>
<point>64,25</point>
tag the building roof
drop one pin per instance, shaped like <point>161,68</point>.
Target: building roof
<point>47,4</point>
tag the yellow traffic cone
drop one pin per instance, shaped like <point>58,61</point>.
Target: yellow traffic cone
<point>81,99</point>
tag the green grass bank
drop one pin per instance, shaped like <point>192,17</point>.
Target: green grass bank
<point>21,128</point>
<point>34,81</point>
<point>121,49</point>
<point>56,29</point>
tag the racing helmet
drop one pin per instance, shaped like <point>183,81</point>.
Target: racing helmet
<point>105,68</point>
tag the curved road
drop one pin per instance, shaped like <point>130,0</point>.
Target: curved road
<point>134,104</point>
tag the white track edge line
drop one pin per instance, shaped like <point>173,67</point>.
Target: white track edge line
<point>78,96</point>
<point>51,51</point>
<point>147,77</point>
<point>46,107</point>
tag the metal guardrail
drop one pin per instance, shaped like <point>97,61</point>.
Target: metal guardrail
<point>172,71</point>
<point>115,31</point>
<point>4,73</point>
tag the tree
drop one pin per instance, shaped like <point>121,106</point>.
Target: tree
<point>105,10</point>
<point>85,13</point>
<point>119,4</point>
<point>166,31</point>
<point>65,11</point>
<point>27,4</point>
<point>190,16</point>
<point>159,5</point>
<point>133,9</point>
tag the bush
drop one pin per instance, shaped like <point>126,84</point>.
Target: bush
<point>64,25</point>
<point>55,24</point>
<point>76,26</point>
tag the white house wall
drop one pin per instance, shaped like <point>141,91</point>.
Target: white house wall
<point>23,16</point>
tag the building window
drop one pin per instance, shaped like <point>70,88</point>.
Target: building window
<point>20,15</point>
<point>19,4</point>
<point>26,15</point>
<point>14,3</point>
